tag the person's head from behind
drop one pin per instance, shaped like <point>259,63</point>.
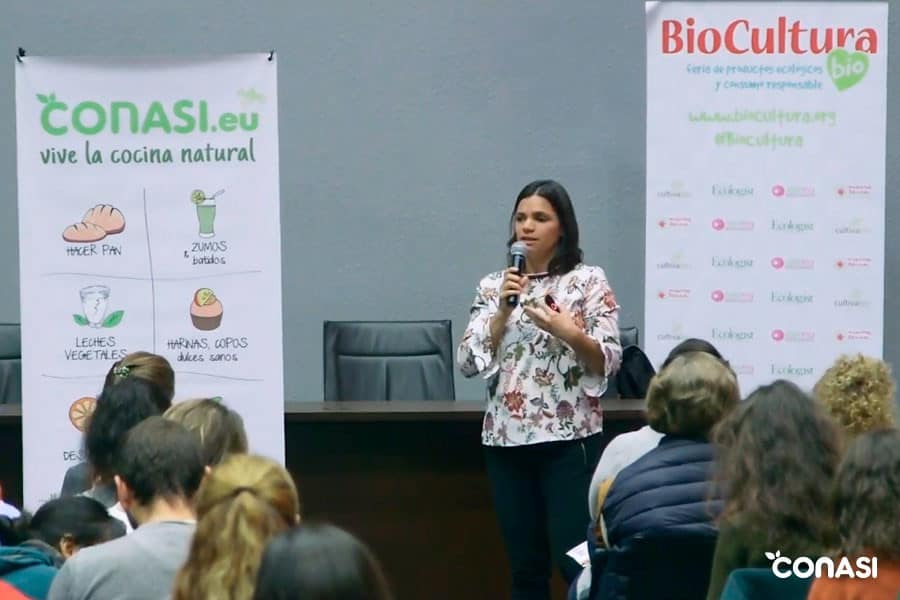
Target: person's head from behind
<point>219,429</point>
<point>778,454</point>
<point>241,504</point>
<point>319,562</point>
<point>65,524</point>
<point>119,408</point>
<point>691,345</point>
<point>69,524</point>
<point>691,395</point>
<point>858,391</point>
<point>152,368</point>
<point>867,496</point>
<point>544,219</point>
<point>160,465</point>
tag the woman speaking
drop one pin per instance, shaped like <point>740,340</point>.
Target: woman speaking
<point>546,337</point>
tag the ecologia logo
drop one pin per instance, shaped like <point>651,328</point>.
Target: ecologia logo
<point>675,190</point>
<point>720,224</point>
<point>719,296</point>
<point>790,226</point>
<point>731,335</point>
<point>731,262</point>
<point>730,190</point>
<point>779,263</point>
<point>855,227</point>
<point>675,262</point>
<point>90,117</point>
<point>854,299</point>
<point>805,567</point>
<point>793,191</point>
<point>790,370</point>
<point>788,297</point>
<point>780,335</point>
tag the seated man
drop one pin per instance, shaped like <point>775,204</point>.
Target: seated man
<point>160,469</point>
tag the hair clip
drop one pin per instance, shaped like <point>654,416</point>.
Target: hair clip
<point>122,371</point>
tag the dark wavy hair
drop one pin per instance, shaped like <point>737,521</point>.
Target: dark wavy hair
<point>568,253</point>
<point>867,495</point>
<point>777,458</point>
<point>319,562</point>
<point>119,408</point>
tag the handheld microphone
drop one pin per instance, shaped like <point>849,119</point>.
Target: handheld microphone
<point>517,253</point>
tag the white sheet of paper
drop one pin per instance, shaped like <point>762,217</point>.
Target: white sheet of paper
<point>580,554</point>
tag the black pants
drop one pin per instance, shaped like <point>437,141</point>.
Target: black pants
<point>540,496</point>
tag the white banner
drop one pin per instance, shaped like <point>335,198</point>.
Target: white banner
<point>765,182</point>
<point>148,220</point>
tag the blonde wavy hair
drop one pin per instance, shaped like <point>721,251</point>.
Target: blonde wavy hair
<point>241,505</point>
<point>220,430</point>
<point>858,391</point>
<point>691,395</point>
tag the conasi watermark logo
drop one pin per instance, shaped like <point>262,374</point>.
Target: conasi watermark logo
<point>804,567</point>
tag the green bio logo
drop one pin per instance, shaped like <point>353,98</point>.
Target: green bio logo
<point>846,69</point>
<point>182,116</point>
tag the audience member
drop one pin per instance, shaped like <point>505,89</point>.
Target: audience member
<point>319,562</point>
<point>242,504</point>
<point>219,429</point>
<point>159,470</point>
<point>55,533</point>
<point>867,511</point>
<point>858,391</point>
<point>778,456</point>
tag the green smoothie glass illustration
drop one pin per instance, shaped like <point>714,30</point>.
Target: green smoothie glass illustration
<point>206,212</point>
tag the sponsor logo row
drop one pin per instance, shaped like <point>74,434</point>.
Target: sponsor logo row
<point>677,262</point>
<point>854,299</point>
<point>678,189</point>
<point>855,226</point>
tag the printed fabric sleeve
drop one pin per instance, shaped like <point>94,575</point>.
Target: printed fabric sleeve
<point>601,320</point>
<point>474,354</point>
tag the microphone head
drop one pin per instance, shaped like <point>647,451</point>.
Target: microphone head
<point>518,249</point>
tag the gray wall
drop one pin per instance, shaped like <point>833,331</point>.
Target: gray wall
<point>407,128</point>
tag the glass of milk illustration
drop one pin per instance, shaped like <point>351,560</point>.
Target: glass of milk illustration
<point>94,300</point>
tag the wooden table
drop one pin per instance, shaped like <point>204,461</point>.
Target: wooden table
<point>406,477</point>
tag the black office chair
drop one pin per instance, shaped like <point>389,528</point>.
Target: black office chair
<point>10,363</point>
<point>674,565</point>
<point>628,336</point>
<point>388,360</point>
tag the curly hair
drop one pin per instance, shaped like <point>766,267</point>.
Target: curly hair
<point>690,395</point>
<point>858,391</point>
<point>241,505</point>
<point>777,457</point>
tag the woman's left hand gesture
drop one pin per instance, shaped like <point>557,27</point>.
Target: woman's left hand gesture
<point>559,323</point>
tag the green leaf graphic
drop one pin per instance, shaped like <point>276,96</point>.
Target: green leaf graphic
<point>845,69</point>
<point>81,320</point>
<point>114,318</point>
<point>44,99</point>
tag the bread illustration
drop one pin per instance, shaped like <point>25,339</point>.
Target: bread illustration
<point>106,216</point>
<point>83,233</point>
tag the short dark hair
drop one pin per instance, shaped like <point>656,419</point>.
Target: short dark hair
<point>691,345</point>
<point>84,519</point>
<point>568,253</point>
<point>161,459</point>
<point>867,495</point>
<point>319,562</point>
<point>119,408</point>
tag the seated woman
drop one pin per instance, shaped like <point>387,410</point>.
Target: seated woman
<point>319,562</point>
<point>858,391</point>
<point>56,531</point>
<point>669,488</point>
<point>867,511</point>
<point>778,454</point>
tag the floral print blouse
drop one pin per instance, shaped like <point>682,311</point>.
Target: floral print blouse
<point>538,389</point>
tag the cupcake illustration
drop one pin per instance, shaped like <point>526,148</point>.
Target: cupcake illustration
<point>206,310</point>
